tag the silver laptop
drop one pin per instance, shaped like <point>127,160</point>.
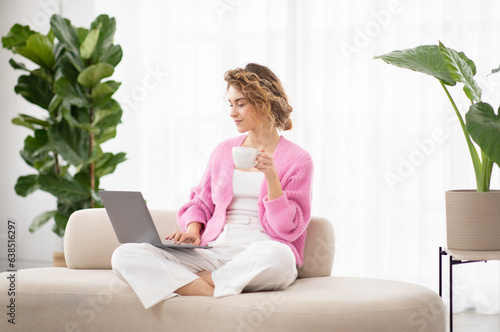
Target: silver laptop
<point>132,221</point>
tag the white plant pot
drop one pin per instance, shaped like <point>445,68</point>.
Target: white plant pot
<point>473,220</point>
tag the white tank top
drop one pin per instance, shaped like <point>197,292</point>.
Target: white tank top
<point>246,190</point>
<point>242,215</point>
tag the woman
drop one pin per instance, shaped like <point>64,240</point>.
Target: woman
<point>254,219</point>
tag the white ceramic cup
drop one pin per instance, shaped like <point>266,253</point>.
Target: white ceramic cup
<point>244,157</point>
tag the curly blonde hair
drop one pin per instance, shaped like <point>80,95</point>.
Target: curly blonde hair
<point>263,90</point>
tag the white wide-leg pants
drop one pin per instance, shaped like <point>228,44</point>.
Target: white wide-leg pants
<point>155,274</point>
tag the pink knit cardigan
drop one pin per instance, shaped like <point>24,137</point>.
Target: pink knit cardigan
<point>284,218</point>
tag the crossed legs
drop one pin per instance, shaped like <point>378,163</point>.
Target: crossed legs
<point>203,286</point>
<point>156,275</point>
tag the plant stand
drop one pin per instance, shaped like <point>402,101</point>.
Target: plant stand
<point>461,257</point>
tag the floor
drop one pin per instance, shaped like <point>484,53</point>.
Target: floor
<point>469,321</point>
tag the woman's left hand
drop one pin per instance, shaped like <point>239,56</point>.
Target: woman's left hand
<point>265,164</point>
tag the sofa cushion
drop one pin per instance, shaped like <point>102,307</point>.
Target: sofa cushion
<point>61,299</point>
<point>90,241</point>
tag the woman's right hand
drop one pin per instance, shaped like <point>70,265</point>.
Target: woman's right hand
<point>191,235</point>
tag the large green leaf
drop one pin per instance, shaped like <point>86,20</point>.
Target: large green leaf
<point>39,50</point>
<point>76,61</point>
<point>107,163</point>
<point>72,143</point>
<point>105,135</point>
<point>484,128</point>
<point>92,75</point>
<point>67,66</point>
<point>35,90</point>
<point>44,74</point>
<point>34,146</point>
<point>425,59</point>
<point>104,90</point>
<point>35,121</point>
<point>51,36</point>
<point>71,92</point>
<point>107,115</point>
<point>82,34</point>
<point>113,55</point>
<point>60,224</point>
<point>65,33</point>
<point>461,71</point>
<point>106,34</point>
<point>57,107</point>
<point>41,220</point>
<point>68,114</point>
<point>102,115</point>
<point>42,160</point>
<point>44,163</point>
<point>17,36</point>
<point>55,103</point>
<point>469,62</point>
<point>83,177</point>
<point>89,44</point>
<point>18,65</point>
<point>37,144</point>
<point>25,185</point>
<point>30,122</point>
<point>65,190</point>
<point>18,121</point>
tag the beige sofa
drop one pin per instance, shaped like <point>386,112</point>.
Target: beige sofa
<point>86,296</point>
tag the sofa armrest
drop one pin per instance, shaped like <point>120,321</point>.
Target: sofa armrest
<point>90,240</point>
<point>319,249</point>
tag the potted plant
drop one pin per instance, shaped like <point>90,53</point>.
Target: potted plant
<point>64,144</point>
<point>472,217</point>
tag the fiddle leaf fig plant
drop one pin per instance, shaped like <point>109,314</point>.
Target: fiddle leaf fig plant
<point>79,114</point>
<point>482,124</point>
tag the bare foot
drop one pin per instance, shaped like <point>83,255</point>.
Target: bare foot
<point>196,287</point>
<point>207,276</point>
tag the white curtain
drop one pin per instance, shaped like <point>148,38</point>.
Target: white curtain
<point>385,142</point>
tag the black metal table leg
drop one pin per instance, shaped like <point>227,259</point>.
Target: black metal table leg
<point>451,293</point>
<point>452,262</point>
<point>441,271</point>
<point>441,254</point>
